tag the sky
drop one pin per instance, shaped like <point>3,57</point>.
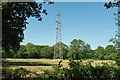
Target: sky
<point>88,21</point>
<point>77,0</point>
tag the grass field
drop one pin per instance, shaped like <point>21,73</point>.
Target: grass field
<point>39,65</point>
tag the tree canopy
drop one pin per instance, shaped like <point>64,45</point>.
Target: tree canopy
<point>78,49</point>
<point>100,52</point>
<point>14,21</point>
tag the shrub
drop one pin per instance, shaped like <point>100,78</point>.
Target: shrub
<point>77,70</point>
<point>16,74</point>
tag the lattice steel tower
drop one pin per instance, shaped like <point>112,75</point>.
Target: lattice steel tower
<point>58,45</point>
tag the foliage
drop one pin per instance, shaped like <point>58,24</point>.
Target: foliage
<point>77,70</point>
<point>47,52</point>
<point>14,21</point>
<point>110,52</point>
<point>37,51</point>
<point>110,56</point>
<point>110,49</point>
<point>90,56</point>
<point>99,52</point>
<point>16,74</point>
<point>110,4</point>
<point>115,39</point>
<point>72,54</point>
<point>31,50</point>
<point>21,52</point>
<point>5,54</point>
<point>78,49</point>
<point>65,49</point>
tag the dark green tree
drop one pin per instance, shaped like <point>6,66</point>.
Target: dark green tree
<point>65,50</point>
<point>110,49</point>
<point>31,51</point>
<point>99,53</point>
<point>47,52</point>
<point>14,21</point>
<point>21,53</point>
<point>110,52</point>
<point>39,47</point>
<point>87,48</point>
<point>86,51</point>
<point>5,54</point>
<point>76,49</point>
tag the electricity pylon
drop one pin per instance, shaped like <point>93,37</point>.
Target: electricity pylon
<point>58,45</point>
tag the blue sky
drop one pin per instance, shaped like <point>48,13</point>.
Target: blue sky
<point>88,21</point>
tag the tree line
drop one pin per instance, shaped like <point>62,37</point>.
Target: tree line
<point>77,50</point>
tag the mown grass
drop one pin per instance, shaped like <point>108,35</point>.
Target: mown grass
<point>39,65</point>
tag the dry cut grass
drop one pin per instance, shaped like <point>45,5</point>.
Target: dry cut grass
<point>39,65</point>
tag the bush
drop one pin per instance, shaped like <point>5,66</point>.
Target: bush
<point>16,74</point>
<point>111,56</point>
<point>77,70</point>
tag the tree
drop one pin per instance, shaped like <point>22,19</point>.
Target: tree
<point>31,50</point>
<point>99,52</point>
<point>39,47</point>
<point>21,52</point>
<point>115,40</point>
<point>109,5</point>
<point>110,49</point>
<point>14,21</point>
<point>87,48</point>
<point>76,49</point>
<point>47,52</point>
<point>73,54</point>
<point>110,52</point>
<point>77,44</point>
<point>5,55</point>
<point>65,49</point>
